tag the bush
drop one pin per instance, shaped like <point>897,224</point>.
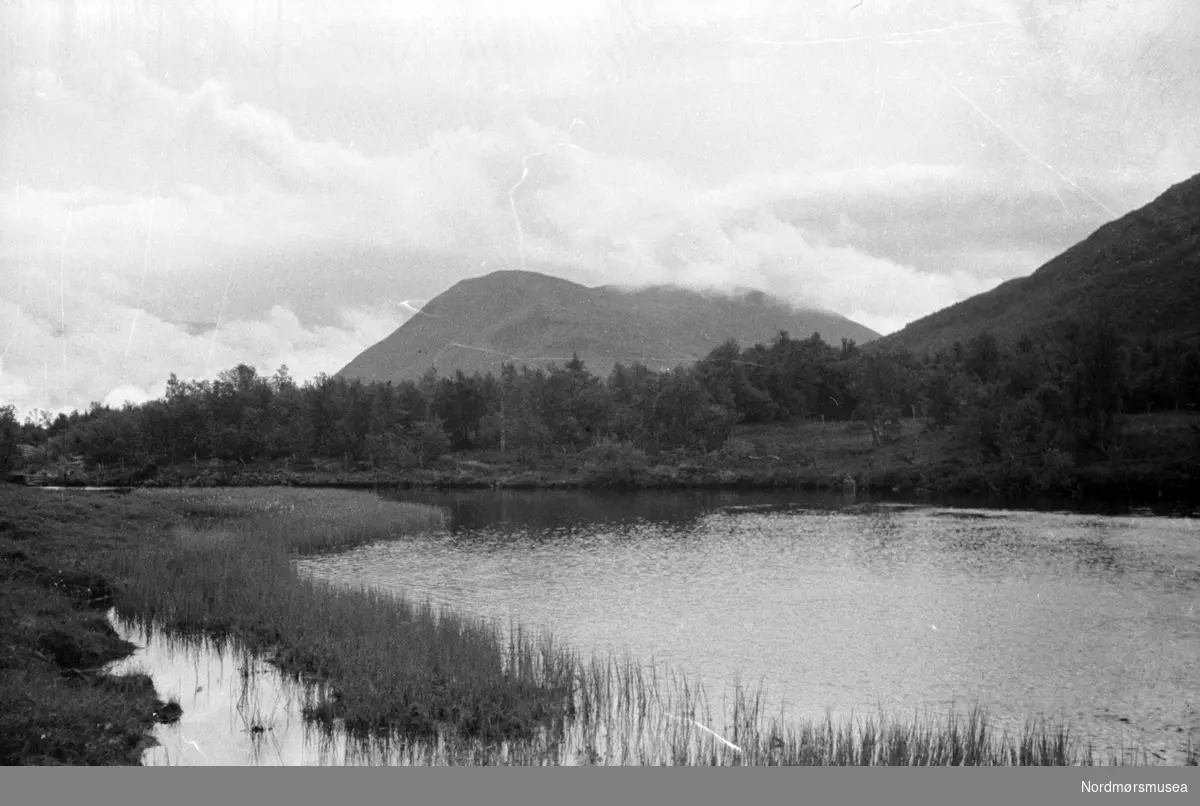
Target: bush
<point>738,448</point>
<point>1055,472</point>
<point>615,462</point>
<point>429,440</point>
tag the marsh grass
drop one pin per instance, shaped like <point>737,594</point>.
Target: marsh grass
<point>629,714</point>
<point>389,664</point>
<point>625,714</point>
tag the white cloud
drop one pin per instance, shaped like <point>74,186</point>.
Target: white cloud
<point>128,393</point>
<point>69,344</point>
<point>899,181</point>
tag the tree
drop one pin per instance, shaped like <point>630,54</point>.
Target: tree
<point>428,440</point>
<point>631,393</point>
<point>884,387</point>
<point>942,395</point>
<point>982,357</point>
<point>684,416</point>
<point>459,402</point>
<point>10,432</point>
<point>737,380</point>
<point>321,412</point>
<point>1094,382</point>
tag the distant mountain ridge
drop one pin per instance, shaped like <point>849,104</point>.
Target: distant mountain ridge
<point>535,319</point>
<point>1141,272</point>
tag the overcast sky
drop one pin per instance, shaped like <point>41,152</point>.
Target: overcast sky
<point>187,185</point>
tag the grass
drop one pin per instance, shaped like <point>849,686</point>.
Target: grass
<point>630,715</point>
<point>56,719</point>
<point>390,664</point>
<point>627,715</point>
<point>387,677</point>
<point>56,704</point>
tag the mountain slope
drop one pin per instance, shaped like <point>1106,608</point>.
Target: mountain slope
<point>532,318</point>
<point>1141,270</point>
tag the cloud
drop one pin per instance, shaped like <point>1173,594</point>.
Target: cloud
<point>896,181</point>
<point>95,268</point>
<point>71,342</point>
<point>659,142</point>
<point>116,261</point>
<point>662,229</point>
<point>128,393</point>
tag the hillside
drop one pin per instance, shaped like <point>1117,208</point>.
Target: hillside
<point>1141,270</point>
<point>532,318</point>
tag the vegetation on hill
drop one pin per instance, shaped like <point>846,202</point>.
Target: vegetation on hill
<point>533,319</point>
<point>1140,273</point>
<point>1036,415</point>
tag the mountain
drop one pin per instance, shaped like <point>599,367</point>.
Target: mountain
<point>1141,271</point>
<point>535,319</point>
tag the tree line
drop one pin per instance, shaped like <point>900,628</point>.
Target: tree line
<point>1050,399</point>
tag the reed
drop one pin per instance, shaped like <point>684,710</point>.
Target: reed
<point>626,714</point>
<point>630,714</point>
<point>623,713</point>
<point>388,664</point>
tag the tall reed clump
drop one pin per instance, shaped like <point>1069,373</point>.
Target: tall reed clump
<point>386,664</point>
<point>628,714</point>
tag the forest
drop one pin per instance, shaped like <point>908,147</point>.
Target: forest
<point>1057,399</point>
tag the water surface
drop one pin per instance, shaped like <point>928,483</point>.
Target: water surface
<point>835,605</point>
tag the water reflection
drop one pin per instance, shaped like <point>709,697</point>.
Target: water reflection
<point>237,710</point>
<point>555,513</point>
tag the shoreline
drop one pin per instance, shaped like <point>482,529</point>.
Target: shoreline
<point>1157,464</point>
<point>1175,489</point>
<point>69,558</point>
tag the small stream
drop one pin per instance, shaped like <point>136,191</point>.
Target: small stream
<point>237,710</point>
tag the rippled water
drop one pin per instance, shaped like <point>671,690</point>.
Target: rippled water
<point>1091,619</point>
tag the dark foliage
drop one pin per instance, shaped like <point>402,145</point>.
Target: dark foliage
<point>1036,403</point>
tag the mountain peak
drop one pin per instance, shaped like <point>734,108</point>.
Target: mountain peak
<point>536,319</point>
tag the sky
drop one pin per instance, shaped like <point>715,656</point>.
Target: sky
<point>190,184</point>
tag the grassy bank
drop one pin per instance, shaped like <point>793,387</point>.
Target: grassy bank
<point>444,687</point>
<point>56,705</point>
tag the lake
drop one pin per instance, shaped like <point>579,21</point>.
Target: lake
<point>834,604</point>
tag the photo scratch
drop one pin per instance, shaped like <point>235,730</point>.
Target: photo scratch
<point>1022,146</point>
<point>146,251</point>
<point>62,300</point>
<point>905,36</point>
